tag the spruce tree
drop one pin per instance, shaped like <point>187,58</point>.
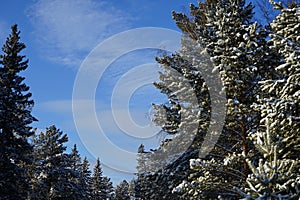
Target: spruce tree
<point>15,120</point>
<point>131,189</point>
<point>54,176</point>
<point>277,175</point>
<point>101,185</point>
<point>122,191</point>
<point>260,79</point>
<point>76,159</point>
<point>76,175</point>
<point>85,179</point>
<point>109,189</point>
<point>238,52</point>
<point>274,176</point>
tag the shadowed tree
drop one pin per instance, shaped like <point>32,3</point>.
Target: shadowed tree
<point>238,51</point>
<point>85,179</point>
<point>277,176</point>
<point>54,175</point>
<point>122,191</point>
<point>101,185</point>
<point>15,120</point>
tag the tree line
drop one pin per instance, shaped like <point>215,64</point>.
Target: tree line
<point>256,155</point>
<point>35,165</point>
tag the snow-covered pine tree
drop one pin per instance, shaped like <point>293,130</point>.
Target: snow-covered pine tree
<point>142,158</point>
<point>236,46</point>
<point>77,175</point>
<point>97,181</point>
<point>158,172</point>
<point>109,189</point>
<point>122,191</point>
<point>85,180</point>
<point>141,185</point>
<point>101,186</point>
<point>75,159</point>
<point>15,120</point>
<point>277,174</point>
<point>274,176</point>
<point>131,189</point>
<point>54,177</point>
<point>266,12</point>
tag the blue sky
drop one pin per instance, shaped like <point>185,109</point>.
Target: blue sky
<point>59,35</point>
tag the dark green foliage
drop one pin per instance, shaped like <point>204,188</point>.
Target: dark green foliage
<point>256,155</point>
<point>41,169</point>
<point>276,176</point>
<point>109,189</point>
<point>101,185</point>
<point>224,30</point>
<point>56,174</point>
<point>15,120</point>
<point>85,180</point>
<point>159,184</point>
<point>240,50</point>
<point>80,175</point>
<point>122,191</point>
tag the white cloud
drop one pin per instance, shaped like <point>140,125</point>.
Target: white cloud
<point>113,140</point>
<point>68,29</point>
<point>4,31</point>
<point>105,116</point>
<point>64,106</point>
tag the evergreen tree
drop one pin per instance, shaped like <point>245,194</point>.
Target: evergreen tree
<point>15,120</point>
<point>163,168</point>
<point>131,189</point>
<point>76,173</point>
<point>76,159</point>
<point>85,179</point>
<point>101,185</point>
<point>108,189</point>
<point>237,48</point>
<point>122,191</point>
<point>54,174</point>
<point>159,184</point>
<point>267,11</point>
<point>277,174</point>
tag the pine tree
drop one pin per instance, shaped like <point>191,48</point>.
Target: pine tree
<point>122,191</point>
<point>158,183</point>
<point>277,174</point>
<point>131,189</point>
<point>267,11</point>
<point>163,168</point>
<point>54,176</point>
<point>85,179</point>
<point>101,185</point>
<point>76,173</point>
<point>75,158</point>
<point>237,48</point>
<point>15,120</point>
<point>108,189</point>
<point>240,51</point>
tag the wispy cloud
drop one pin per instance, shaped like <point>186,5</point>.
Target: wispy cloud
<point>4,31</point>
<point>113,140</point>
<point>62,106</point>
<point>103,112</point>
<point>68,30</point>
